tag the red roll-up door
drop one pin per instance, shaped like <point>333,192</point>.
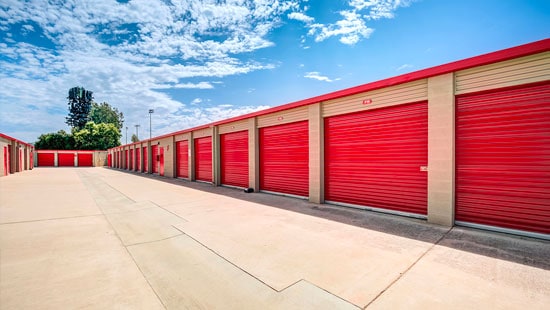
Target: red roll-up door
<point>126,157</point>
<point>234,158</point>
<point>182,159</point>
<point>145,160</point>
<point>6,161</point>
<point>203,159</point>
<point>85,159</point>
<point>131,160</point>
<point>155,158</point>
<point>138,160</point>
<point>374,158</point>
<point>284,158</point>
<point>65,159</point>
<point>20,160</point>
<point>503,158</point>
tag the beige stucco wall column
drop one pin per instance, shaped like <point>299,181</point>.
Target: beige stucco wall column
<point>253,155</point>
<point>316,177</point>
<point>216,167</point>
<point>149,157</point>
<point>441,149</point>
<point>191,153</point>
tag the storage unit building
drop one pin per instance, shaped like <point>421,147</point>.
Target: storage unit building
<point>464,143</point>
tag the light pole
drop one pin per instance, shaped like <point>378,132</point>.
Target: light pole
<point>151,111</point>
<point>126,134</point>
<point>137,132</point>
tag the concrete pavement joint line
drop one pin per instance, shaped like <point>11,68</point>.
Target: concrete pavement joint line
<point>52,219</point>
<point>230,262</point>
<point>409,268</point>
<point>84,177</point>
<point>153,241</point>
<point>133,259</point>
<point>322,289</point>
<point>258,279</point>
<point>173,213</point>
<point>130,254</point>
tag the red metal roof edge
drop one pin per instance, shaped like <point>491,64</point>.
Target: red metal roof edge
<point>14,139</point>
<point>71,150</point>
<point>480,60</point>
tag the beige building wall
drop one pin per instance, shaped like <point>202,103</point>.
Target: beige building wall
<point>3,144</point>
<point>253,155</point>
<point>441,149</point>
<point>316,176</point>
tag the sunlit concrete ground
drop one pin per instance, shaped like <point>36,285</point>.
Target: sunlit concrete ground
<point>97,238</point>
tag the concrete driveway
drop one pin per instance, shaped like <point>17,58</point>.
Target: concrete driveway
<point>101,239</point>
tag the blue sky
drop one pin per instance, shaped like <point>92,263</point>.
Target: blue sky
<point>198,61</point>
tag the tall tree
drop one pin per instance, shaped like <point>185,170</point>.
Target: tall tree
<point>60,140</point>
<point>104,113</point>
<point>80,103</point>
<point>97,136</point>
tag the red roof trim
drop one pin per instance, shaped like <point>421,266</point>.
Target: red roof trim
<point>16,140</point>
<point>485,59</point>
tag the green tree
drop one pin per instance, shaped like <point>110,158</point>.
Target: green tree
<point>104,113</point>
<point>97,136</point>
<point>135,138</point>
<point>60,140</point>
<point>80,103</point>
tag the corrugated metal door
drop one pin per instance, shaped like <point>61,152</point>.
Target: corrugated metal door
<point>131,160</point>
<point>65,159</point>
<point>145,160</point>
<point>503,158</point>
<point>6,166</point>
<point>161,161</point>
<point>182,159</point>
<point>138,160</point>
<point>127,159</point>
<point>203,159</point>
<point>234,158</point>
<point>109,160</point>
<point>20,160</point>
<point>284,159</point>
<point>374,158</point>
<point>155,158</point>
<point>85,159</point>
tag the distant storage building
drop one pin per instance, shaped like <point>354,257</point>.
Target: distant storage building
<point>15,155</point>
<point>464,143</point>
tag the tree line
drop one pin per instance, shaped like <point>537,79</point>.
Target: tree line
<point>94,126</point>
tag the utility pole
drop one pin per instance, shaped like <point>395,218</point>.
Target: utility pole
<point>126,134</point>
<point>137,131</point>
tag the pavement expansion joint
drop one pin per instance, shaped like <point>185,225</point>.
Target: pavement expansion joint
<point>227,260</point>
<point>152,241</point>
<point>52,219</point>
<point>401,274</point>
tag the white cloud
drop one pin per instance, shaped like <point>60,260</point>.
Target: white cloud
<point>129,54</point>
<point>404,67</point>
<point>301,17</point>
<point>317,76</point>
<point>196,101</point>
<point>351,27</point>
<point>201,85</point>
